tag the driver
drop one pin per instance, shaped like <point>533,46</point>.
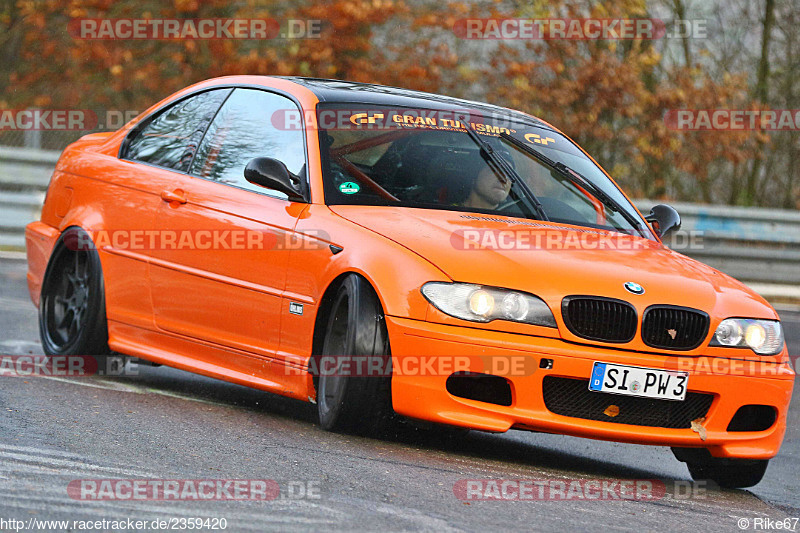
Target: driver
<point>490,188</point>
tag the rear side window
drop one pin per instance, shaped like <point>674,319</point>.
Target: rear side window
<point>171,138</point>
<point>243,129</point>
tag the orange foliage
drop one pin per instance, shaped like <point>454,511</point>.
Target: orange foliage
<point>610,96</point>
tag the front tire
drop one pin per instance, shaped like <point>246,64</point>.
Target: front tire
<point>72,307</point>
<point>355,327</point>
<point>727,473</point>
<point>731,474</point>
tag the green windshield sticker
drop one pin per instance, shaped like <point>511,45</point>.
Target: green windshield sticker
<point>349,187</point>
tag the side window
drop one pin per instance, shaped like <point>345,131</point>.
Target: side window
<point>171,139</point>
<point>243,129</point>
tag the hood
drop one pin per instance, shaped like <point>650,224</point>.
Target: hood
<point>553,260</point>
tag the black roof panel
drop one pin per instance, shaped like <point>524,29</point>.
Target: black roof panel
<point>339,91</point>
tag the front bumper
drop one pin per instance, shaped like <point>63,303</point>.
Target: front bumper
<point>424,395</point>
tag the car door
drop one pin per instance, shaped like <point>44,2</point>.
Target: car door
<point>159,148</point>
<point>225,283</point>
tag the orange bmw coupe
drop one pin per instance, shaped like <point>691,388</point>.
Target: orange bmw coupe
<point>388,253</point>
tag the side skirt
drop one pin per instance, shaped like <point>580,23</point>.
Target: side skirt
<point>242,368</point>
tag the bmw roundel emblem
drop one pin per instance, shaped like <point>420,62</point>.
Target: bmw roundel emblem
<point>634,288</point>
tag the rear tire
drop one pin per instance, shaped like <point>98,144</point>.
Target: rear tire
<point>356,327</point>
<point>72,307</point>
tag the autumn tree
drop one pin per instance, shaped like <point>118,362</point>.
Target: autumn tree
<point>611,96</point>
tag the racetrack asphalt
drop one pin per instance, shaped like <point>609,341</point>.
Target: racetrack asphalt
<point>162,423</point>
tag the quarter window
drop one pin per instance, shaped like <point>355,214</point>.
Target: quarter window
<point>171,138</point>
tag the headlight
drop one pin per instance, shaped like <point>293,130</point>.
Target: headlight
<point>765,337</point>
<point>484,304</point>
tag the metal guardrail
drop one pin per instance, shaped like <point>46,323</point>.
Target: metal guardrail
<point>751,244</point>
<point>25,169</point>
<point>24,175</point>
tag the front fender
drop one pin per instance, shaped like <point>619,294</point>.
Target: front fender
<point>395,272</point>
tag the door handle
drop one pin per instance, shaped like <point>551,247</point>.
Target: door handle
<point>177,196</point>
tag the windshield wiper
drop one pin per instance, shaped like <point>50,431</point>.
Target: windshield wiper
<point>488,153</point>
<point>576,179</point>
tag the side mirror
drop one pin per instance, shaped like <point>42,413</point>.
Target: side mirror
<point>273,174</point>
<point>664,218</point>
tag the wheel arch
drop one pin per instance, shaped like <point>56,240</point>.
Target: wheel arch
<point>91,337</point>
<point>324,308</point>
<point>71,231</point>
<point>61,242</point>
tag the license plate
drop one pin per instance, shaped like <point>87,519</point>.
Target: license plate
<point>638,381</point>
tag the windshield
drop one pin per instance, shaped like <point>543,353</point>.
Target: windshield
<point>426,159</point>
